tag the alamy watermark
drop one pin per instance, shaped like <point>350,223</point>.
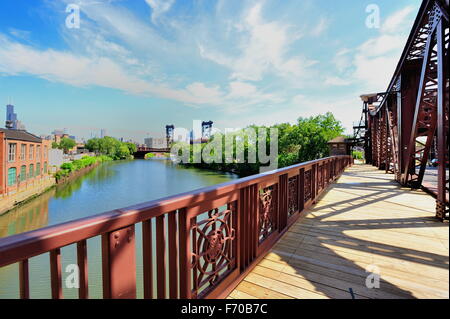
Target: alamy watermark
<point>374,18</point>
<point>373,279</point>
<point>234,146</point>
<point>73,19</point>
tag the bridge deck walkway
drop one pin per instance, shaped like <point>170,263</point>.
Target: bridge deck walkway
<point>365,221</point>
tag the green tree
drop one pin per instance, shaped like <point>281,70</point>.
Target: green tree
<point>304,141</point>
<point>111,147</point>
<point>131,147</point>
<point>66,144</point>
<point>93,145</point>
<point>123,152</point>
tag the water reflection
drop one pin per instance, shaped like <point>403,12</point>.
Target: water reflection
<point>107,187</point>
<point>29,216</point>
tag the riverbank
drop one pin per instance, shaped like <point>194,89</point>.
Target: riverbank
<point>69,171</point>
<point>21,197</point>
<point>75,174</point>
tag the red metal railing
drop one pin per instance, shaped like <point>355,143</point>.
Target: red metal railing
<point>206,241</point>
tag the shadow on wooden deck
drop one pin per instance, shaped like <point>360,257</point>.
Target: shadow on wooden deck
<point>365,221</point>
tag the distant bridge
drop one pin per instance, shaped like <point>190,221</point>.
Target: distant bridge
<point>142,150</point>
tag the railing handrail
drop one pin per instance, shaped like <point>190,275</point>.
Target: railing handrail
<point>26,245</point>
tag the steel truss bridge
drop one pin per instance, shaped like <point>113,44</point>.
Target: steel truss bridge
<point>304,231</point>
<point>402,127</point>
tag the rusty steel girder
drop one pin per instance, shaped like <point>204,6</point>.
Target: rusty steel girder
<point>412,119</point>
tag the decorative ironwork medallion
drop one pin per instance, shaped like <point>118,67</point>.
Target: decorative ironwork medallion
<point>292,195</point>
<point>307,185</point>
<point>267,212</point>
<point>214,251</point>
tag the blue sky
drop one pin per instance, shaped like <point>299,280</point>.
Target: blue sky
<point>134,66</point>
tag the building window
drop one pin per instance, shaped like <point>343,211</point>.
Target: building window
<point>38,169</point>
<point>23,151</point>
<point>12,152</point>
<point>45,167</point>
<point>12,174</point>
<point>45,151</point>
<point>38,152</point>
<point>31,157</point>
<point>31,171</point>
<point>23,173</point>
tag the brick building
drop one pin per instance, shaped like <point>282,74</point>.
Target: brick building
<point>23,160</point>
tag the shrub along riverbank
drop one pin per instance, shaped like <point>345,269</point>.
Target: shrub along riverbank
<point>156,155</point>
<point>72,169</point>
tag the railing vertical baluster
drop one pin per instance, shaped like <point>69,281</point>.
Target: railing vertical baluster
<point>161,256</point>
<point>185,254</point>
<point>241,228</point>
<point>55,273</point>
<point>173,255</point>
<point>147,257</point>
<point>195,249</point>
<point>253,213</point>
<point>244,227</point>
<point>248,223</point>
<point>301,190</point>
<point>282,202</point>
<point>83,268</point>
<point>314,183</point>
<point>24,280</point>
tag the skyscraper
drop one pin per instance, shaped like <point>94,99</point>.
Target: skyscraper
<point>102,133</point>
<point>11,119</point>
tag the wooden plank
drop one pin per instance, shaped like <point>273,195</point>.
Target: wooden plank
<point>364,219</point>
<point>259,291</point>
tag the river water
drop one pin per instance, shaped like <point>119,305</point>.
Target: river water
<point>110,186</point>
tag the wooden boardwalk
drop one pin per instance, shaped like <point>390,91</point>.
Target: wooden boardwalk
<point>363,222</point>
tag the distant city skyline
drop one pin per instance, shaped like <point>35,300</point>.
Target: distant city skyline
<point>133,67</point>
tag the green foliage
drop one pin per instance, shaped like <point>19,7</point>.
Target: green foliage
<point>131,147</point>
<point>111,147</point>
<point>304,141</point>
<point>66,144</point>
<point>357,155</point>
<point>55,145</point>
<point>67,168</point>
<point>149,155</point>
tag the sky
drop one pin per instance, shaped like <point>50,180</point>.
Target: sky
<point>131,67</point>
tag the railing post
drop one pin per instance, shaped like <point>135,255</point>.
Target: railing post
<point>147,256</point>
<point>55,273</point>
<point>119,264</point>
<point>24,279</point>
<point>83,292</point>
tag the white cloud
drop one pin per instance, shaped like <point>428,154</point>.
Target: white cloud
<point>264,49</point>
<point>396,21</point>
<point>240,89</point>
<point>82,71</point>
<point>86,71</point>
<point>337,81</point>
<point>372,63</point>
<point>20,34</point>
<point>320,27</point>
<point>159,7</point>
